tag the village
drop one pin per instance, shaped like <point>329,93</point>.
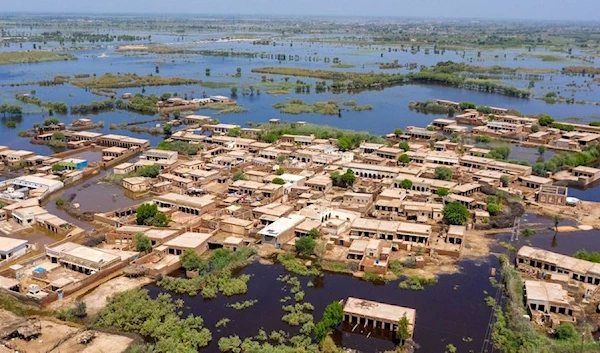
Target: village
<point>425,198</point>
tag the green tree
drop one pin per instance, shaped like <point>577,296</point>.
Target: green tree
<point>280,171</point>
<point>177,114</point>
<point>398,132</point>
<point>160,220</point>
<point>191,261</point>
<point>239,175</point>
<point>348,178</point>
<point>442,192</point>
<point>332,316</point>
<point>406,184</point>
<point>305,246</point>
<point>456,213</point>
<point>493,208</point>
<point>404,159</point>
<point>144,212</point>
<point>59,136</point>
<point>541,150</point>
<point>51,121</point>
<point>314,233</point>
<point>545,120</point>
<point>566,332</point>
<point>142,242</point>
<point>149,171</point>
<point>57,168</point>
<point>404,146</point>
<point>278,181</point>
<point>234,91</point>
<point>167,129</point>
<point>403,328</point>
<point>504,180</point>
<point>535,128</point>
<point>235,132</point>
<point>345,143</point>
<point>443,173</point>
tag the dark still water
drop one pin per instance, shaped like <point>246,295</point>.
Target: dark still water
<point>447,312</point>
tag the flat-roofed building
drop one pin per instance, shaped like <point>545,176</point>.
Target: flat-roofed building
<point>364,170</point>
<point>182,183</point>
<point>586,175</point>
<point>272,210</point>
<point>12,158</point>
<point>322,183</point>
<point>189,240</point>
<point>281,231</point>
<point>424,184</point>
<point>504,128</point>
<point>111,140</point>
<point>414,234</point>
<point>535,182</point>
<point>124,168</point>
<point>11,247</point>
<point>553,195</point>
<point>156,155</point>
<point>81,258</point>
<point>136,184</point>
<point>456,234</point>
<point>220,128</point>
<point>540,260</point>
<point>86,136</point>
<point>236,226</point>
<point>419,133</point>
<point>442,123</point>
<point>374,228</point>
<point>113,152</point>
<point>378,315</point>
<point>360,202</point>
<point>466,189</point>
<point>548,298</point>
<point>186,204</point>
<point>390,153</point>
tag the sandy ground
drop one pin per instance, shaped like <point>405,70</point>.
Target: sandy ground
<point>586,213</point>
<point>96,300</point>
<point>60,337</point>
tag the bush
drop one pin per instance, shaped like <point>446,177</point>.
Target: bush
<point>191,261</point>
<point>442,192</point>
<point>372,277</point>
<point>443,173</point>
<point>278,181</point>
<point>59,202</point>
<point>239,175</point>
<point>142,242</point>
<point>305,246</point>
<point>149,171</point>
<point>456,213</point>
<point>406,184</point>
<point>404,159</point>
<point>145,212</point>
<point>566,332</point>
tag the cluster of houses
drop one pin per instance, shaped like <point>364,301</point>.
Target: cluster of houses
<point>238,191</point>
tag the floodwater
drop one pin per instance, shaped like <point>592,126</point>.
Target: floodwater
<point>447,312</point>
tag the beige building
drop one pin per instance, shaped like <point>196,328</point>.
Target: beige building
<point>190,240</point>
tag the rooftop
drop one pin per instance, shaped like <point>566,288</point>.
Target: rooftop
<point>189,240</point>
<point>381,311</point>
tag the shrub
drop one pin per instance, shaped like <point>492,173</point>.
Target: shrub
<point>305,246</point>
<point>456,213</point>
<point>278,181</point>
<point>191,261</point>
<point>142,242</point>
<point>443,173</point>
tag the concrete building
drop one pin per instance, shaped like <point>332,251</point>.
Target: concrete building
<point>111,140</point>
<point>548,298</point>
<point>586,175</point>
<point>81,258</point>
<point>186,204</point>
<point>156,155</point>
<point>190,240</point>
<point>136,184</point>
<point>73,164</point>
<point>377,315</point>
<point>529,258</point>
<point>553,195</point>
<point>281,231</point>
<point>10,247</point>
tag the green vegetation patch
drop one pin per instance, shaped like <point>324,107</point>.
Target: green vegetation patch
<point>29,57</point>
<point>109,80</point>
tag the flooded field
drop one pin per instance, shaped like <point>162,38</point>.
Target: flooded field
<point>438,307</point>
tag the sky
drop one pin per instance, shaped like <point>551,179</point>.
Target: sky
<point>493,9</point>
